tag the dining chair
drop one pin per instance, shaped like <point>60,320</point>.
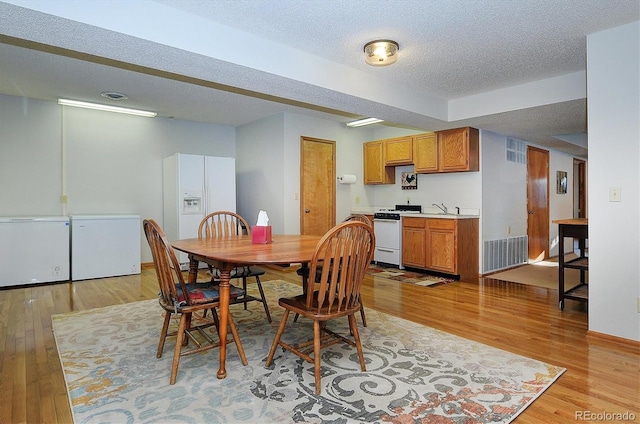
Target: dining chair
<point>345,252</point>
<point>304,271</point>
<point>183,299</point>
<point>230,224</point>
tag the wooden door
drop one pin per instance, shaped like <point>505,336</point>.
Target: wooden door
<point>441,245</point>
<point>317,185</point>
<point>538,203</point>
<point>425,153</point>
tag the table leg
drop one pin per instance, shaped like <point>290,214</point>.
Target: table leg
<point>561,266</point>
<point>225,274</point>
<point>193,270</point>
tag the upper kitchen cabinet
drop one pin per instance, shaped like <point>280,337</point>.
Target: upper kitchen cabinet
<point>375,169</point>
<point>425,153</point>
<point>398,151</point>
<point>458,150</point>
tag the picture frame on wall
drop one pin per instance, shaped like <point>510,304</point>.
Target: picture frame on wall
<point>409,181</point>
<point>561,184</point>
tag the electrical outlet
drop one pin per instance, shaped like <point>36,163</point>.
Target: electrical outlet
<point>64,198</point>
<point>508,229</point>
<point>297,197</point>
<point>357,200</point>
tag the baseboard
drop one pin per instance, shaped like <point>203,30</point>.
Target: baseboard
<point>620,341</point>
<point>146,265</point>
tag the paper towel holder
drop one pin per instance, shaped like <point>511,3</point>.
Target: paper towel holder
<point>347,179</point>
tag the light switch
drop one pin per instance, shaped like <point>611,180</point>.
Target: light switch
<point>615,194</point>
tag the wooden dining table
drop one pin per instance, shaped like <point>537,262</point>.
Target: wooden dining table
<point>227,253</point>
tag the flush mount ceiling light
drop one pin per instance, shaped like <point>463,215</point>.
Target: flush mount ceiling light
<point>361,122</point>
<point>381,52</point>
<point>107,108</point>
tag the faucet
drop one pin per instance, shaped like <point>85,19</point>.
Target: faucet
<point>443,208</point>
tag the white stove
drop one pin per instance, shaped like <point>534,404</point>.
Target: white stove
<point>388,230</point>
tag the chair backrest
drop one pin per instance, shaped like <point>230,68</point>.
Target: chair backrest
<point>166,264</point>
<point>358,217</point>
<point>344,253</point>
<point>223,224</point>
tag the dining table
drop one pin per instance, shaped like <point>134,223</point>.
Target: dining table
<point>225,254</point>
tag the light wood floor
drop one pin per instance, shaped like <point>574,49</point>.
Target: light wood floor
<point>601,376</point>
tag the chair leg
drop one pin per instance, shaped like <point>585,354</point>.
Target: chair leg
<point>364,319</point>
<point>316,355</point>
<point>244,287</point>
<point>264,299</point>
<point>163,333</point>
<point>353,326</point>
<point>176,354</point>
<point>236,340</point>
<point>276,339</point>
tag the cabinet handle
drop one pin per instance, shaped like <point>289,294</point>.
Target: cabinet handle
<point>307,210</point>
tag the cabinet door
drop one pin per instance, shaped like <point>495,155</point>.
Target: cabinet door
<point>375,171</point>
<point>441,245</point>
<point>458,150</point>
<point>399,151</point>
<point>425,153</point>
<point>413,242</point>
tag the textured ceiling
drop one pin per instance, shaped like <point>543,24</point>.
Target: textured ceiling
<point>306,57</point>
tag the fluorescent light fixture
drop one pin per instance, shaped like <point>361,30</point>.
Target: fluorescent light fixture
<point>361,122</point>
<point>107,108</point>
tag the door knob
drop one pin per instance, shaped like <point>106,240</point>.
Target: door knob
<point>307,210</point>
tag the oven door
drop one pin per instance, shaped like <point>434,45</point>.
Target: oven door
<point>388,241</point>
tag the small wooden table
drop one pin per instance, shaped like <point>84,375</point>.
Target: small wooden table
<point>576,228</point>
<point>226,254</point>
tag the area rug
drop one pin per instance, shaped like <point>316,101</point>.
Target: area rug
<point>414,373</point>
<point>406,276</point>
<point>541,274</point>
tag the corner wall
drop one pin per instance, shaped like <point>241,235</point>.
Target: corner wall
<point>613,85</point>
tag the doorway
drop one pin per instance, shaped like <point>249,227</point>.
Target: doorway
<point>317,185</point>
<point>538,203</point>
<point>579,188</point>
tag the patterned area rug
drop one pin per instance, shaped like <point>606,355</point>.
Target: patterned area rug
<point>405,276</point>
<point>414,373</point>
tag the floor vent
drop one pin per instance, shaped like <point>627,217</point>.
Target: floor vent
<point>504,253</point>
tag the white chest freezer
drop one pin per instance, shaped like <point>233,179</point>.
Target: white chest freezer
<point>33,250</point>
<point>104,246</point>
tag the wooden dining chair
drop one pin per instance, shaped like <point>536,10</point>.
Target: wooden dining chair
<point>345,252</point>
<point>230,224</point>
<point>304,271</point>
<point>182,299</point>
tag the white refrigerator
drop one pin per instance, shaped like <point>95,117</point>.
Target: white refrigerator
<point>193,187</point>
<point>104,246</point>
<point>33,250</point>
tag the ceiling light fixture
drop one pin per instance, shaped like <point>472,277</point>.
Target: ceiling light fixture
<point>361,122</point>
<point>107,108</point>
<point>381,52</point>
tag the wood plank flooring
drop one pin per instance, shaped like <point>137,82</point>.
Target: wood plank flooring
<point>601,376</point>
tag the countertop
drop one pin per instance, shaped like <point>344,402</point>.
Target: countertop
<point>572,221</point>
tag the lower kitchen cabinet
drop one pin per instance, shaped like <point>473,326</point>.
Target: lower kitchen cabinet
<point>444,245</point>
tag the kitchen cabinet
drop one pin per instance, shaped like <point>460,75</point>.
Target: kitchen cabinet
<point>413,242</point>
<point>398,151</point>
<point>375,169</point>
<point>458,150</point>
<point>425,153</point>
<point>446,245</point>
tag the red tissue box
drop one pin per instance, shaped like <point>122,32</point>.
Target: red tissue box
<point>261,235</point>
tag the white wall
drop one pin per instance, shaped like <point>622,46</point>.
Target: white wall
<point>613,84</point>
<point>268,166</point>
<point>112,162</point>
